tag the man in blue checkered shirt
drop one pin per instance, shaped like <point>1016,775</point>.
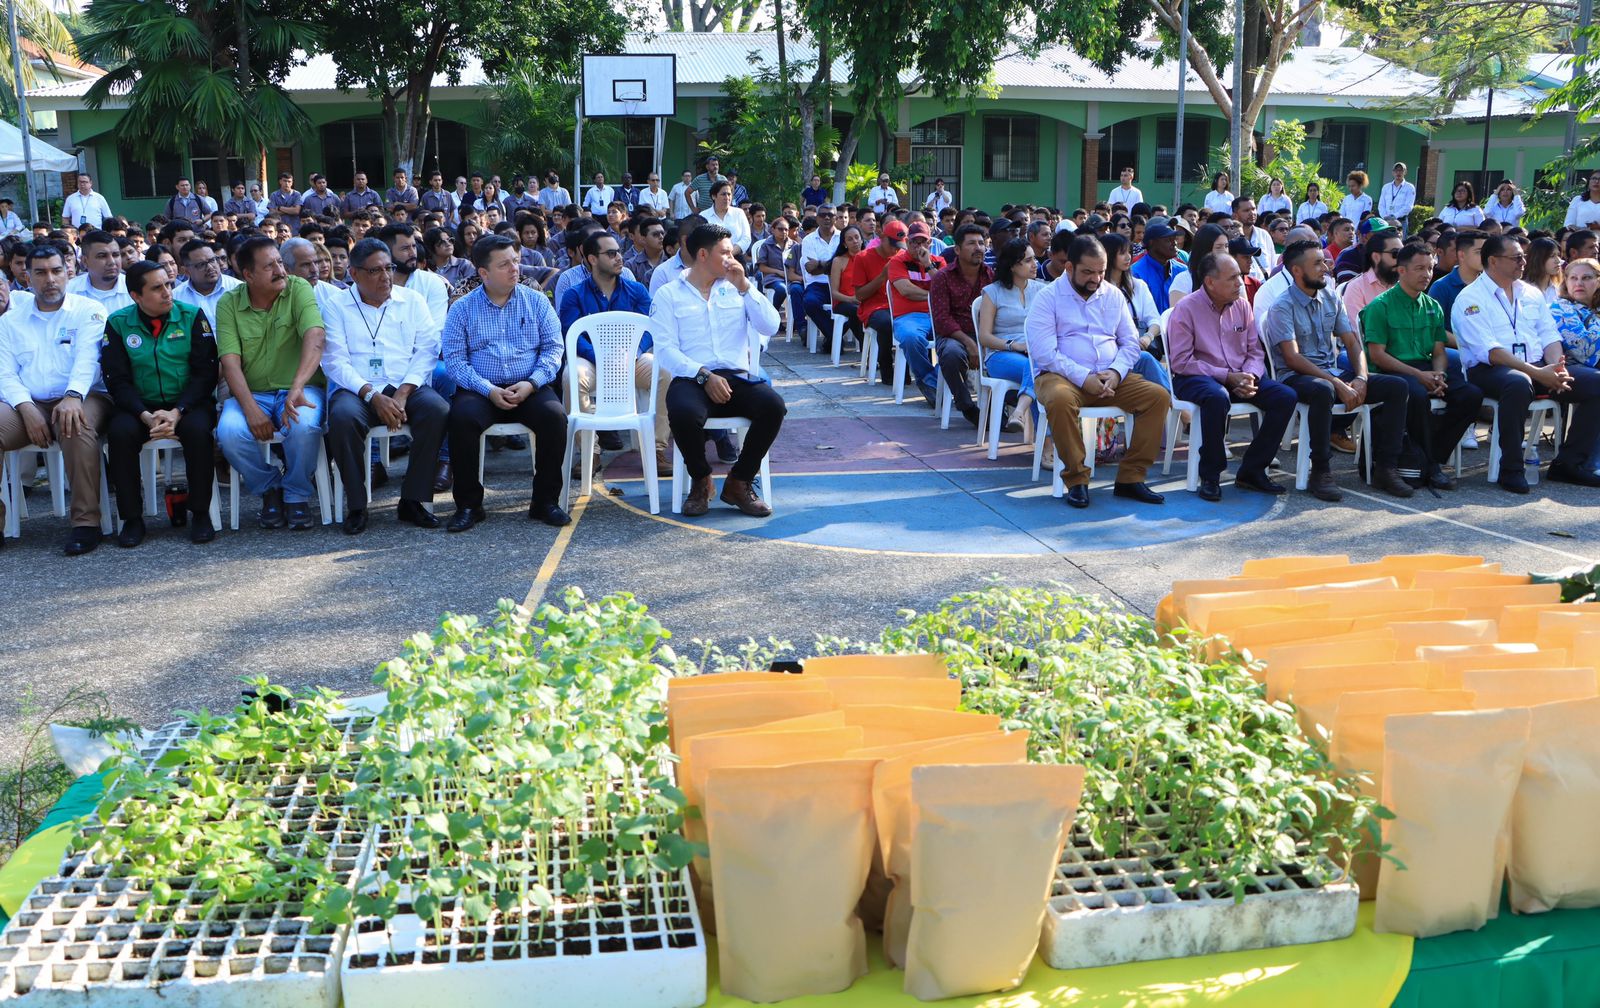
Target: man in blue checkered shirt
<point>502,346</point>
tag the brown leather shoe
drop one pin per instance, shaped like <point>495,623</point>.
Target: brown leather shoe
<point>742,495</point>
<point>663,461</point>
<point>699,501</point>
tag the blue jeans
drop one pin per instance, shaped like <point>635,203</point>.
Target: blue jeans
<point>301,443</point>
<point>914,333</point>
<point>1150,369</point>
<point>446,386</point>
<point>818,308</point>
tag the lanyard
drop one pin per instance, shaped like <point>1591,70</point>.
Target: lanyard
<point>372,332</point>
<point>1510,313</point>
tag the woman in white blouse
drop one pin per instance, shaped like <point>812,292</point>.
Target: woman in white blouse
<point>1275,200</point>
<point>1356,200</point>
<point>1311,207</point>
<point>1506,206</point>
<point>1220,198</point>
<point>1585,208</point>
<point>1462,211</point>
<point>729,216</point>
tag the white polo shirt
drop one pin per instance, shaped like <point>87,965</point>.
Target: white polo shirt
<point>692,331</point>
<point>207,303</point>
<point>815,247</point>
<point>598,198</point>
<point>1484,318</point>
<point>396,344</point>
<point>435,292</point>
<point>113,299</point>
<point>656,199</point>
<point>45,355</point>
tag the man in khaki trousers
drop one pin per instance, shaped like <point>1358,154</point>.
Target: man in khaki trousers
<point>1083,347</point>
<point>49,373</point>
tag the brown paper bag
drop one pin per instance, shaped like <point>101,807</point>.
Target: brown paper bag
<point>1521,622</point>
<point>1170,610</point>
<point>1409,636</point>
<point>891,806</point>
<point>805,722</point>
<point>905,666</point>
<point>940,694</point>
<point>1407,566</point>
<point>1328,576</point>
<point>985,843</point>
<point>1561,629</point>
<point>1440,582</point>
<point>697,715</point>
<point>1446,673</point>
<point>1497,687</point>
<point>1285,659</point>
<point>1254,639</point>
<point>724,681</point>
<point>1279,566</point>
<point>1200,609</point>
<point>1229,621</point>
<point>1377,621</point>
<point>892,725</point>
<point>1555,816</point>
<point>1315,691</point>
<point>790,847</point>
<point>1487,600</point>
<point>1449,778</point>
<point>1586,649</point>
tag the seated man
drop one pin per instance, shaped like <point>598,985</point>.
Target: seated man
<point>502,345</point>
<point>379,353</point>
<point>159,357</point>
<point>950,300</point>
<point>1301,327</point>
<point>1217,359</point>
<point>269,338</point>
<point>910,276</point>
<point>869,278</point>
<point>605,289</point>
<point>1083,346</point>
<point>49,376</point>
<point>1405,335</point>
<point>1511,350</point>
<point>701,325</point>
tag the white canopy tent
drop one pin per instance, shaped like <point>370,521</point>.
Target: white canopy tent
<point>45,157</point>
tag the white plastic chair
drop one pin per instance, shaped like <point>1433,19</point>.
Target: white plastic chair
<point>1300,426</point>
<point>320,474</point>
<point>1536,415</point>
<point>56,465</point>
<point>615,336</point>
<point>159,455</point>
<point>1183,408</point>
<point>385,436</point>
<point>901,366</point>
<point>503,430</point>
<point>738,425</point>
<point>992,393</point>
<point>1088,416</point>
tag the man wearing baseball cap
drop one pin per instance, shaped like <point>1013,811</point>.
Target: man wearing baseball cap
<point>869,273</point>
<point>910,275</point>
<point>1353,259</point>
<point>1159,264</point>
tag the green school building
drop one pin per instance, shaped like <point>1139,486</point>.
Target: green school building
<point>1055,131</point>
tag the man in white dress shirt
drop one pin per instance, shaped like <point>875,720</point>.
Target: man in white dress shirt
<point>379,353</point>
<point>85,208</point>
<point>1126,193</point>
<point>50,381</point>
<point>881,196</point>
<point>1397,198</point>
<point>701,324</point>
<point>101,279</point>
<point>10,223</point>
<point>1511,349</point>
<point>599,196</point>
<point>204,283</point>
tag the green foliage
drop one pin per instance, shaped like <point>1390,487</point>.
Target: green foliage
<point>1547,203</point>
<point>1419,214</point>
<point>30,788</point>
<point>178,60</point>
<point>39,23</point>
<point>529,126</point>
<point>862,178</point>
<point>1155,726</point>
<point>1288,140</point>
<point>757,131</point>
<point>1577,584</point>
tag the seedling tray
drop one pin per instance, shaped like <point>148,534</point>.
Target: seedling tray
<point>1103,911</point>
<point>79,939</point>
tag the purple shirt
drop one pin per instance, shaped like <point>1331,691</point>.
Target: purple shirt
<point>1204,341</point>
<point>1074,337</point>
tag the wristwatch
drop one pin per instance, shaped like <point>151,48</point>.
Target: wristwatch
<point>74,394</point>
<point>372,390</point>
<point>701,376</point>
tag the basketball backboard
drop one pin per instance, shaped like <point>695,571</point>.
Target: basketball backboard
<point>640,85</point>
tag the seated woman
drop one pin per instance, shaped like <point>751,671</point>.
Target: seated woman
<point>841,283</point>
<point>1146,320</point>
<point>1578,322</point>
<point>771,259</point>
<point>1002,317</point>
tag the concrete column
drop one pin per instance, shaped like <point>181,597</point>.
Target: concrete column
<point>1063,155</point>
<point>1091,168</point>
<point>1428,175</point>
<point>902,148</point>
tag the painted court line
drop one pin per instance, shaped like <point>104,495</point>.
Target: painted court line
<point>1468,525</point>
<point>552,559</point>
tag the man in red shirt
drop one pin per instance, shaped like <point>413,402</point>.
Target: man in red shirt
<point>869,272</point>
<point>911,273</point>
<point>950,304</point>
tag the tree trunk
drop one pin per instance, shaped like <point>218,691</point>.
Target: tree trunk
<point>392,137</point>
<point>808,136</point>
<point>251,158</point>
<point>847,153</point>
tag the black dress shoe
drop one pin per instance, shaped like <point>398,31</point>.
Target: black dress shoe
<point>413,513</point>
<point>972,415</point>
<point>1140,492</point>
<point>1441,480</point>
<point>272,510</point>
<point>1210,490</point>
<point>380,475</point>
<point>299,515</point>
<point>610,440</point>
<point>443,479</point>
<point>551,514</point>
<point>1577,477</point>
<point>83,540</point>
<point>355,521</point>
<point>1078,496</point>
<point>132,533</point>
<point>201,531</point>
<point>1515,482</point>
<point>1259,482</point>
<point>465,518</point>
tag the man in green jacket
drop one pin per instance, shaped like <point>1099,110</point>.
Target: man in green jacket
<point>159,358</point>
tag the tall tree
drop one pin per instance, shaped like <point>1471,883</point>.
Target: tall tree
<point>711,15</point>
<point>395,50</point>
<point>39,24</point>
<point>530,125</point>
<point>199,69</point>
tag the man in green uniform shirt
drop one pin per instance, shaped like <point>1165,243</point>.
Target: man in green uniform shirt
<point>159,359</point>
<point>269,337</point>
<point>1405,335</point>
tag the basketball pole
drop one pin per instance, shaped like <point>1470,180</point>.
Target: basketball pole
<point>577,147</point>
<point>660,124</point>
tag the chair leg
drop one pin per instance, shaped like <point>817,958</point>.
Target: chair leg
<point>233,498</point>
<point>944,397</point>
<point>566,466</point>
<point>216,501</point>
<point>899,375</point>
<point>108,521</point>
<point>1302,468</point>
<point>680,479</point>
<point>324,487</point>
<point>838,338</point>
<point>1090,443</point>
<point>652,482</point>
<point>1192,478</point>
<point>339,501</point>
<point>586,439</point>
<point>1494,444</point>
<point>995,421</point>
<point>55,466</point>
<point>766,480</point>
<point>1038,448</point>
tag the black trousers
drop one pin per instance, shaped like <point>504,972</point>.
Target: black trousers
<point>882,325</point>
<point>126,436</point>
<point>1276,402</point>
<point>1437,434</point>
<point>1386,393</point>
<point>1515,392</point>
<point>472,413</point>
<point>688,408</point>
<point>956,366</point>
<point>349,419</point>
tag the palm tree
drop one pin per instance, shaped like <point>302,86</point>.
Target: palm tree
<point>199,70</point>
<point>36,23</point>
<point>529,128</point>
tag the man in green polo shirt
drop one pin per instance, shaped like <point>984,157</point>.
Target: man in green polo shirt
<point>1405,335</point>
<point>269,337</point>
<point>159,359</point>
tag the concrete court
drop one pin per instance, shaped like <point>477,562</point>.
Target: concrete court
<point>878,510</point>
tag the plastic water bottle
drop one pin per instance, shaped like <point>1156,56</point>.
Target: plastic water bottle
<point>1530,460</point>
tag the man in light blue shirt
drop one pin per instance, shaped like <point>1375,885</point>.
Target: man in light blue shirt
<point>552,195</point>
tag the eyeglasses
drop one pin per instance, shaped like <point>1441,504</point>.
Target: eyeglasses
<point>610,253</point>
<point>388,268</point>
<point>213,262</point>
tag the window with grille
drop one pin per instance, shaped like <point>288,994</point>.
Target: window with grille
<point>1011,148</point>
<point>1196,146</point>
<point>144,180</point>
<point>1119,149</point>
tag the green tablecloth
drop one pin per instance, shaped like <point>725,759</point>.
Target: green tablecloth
<point>1549,960</point>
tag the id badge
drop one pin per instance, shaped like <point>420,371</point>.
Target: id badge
<point>375,369</point>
